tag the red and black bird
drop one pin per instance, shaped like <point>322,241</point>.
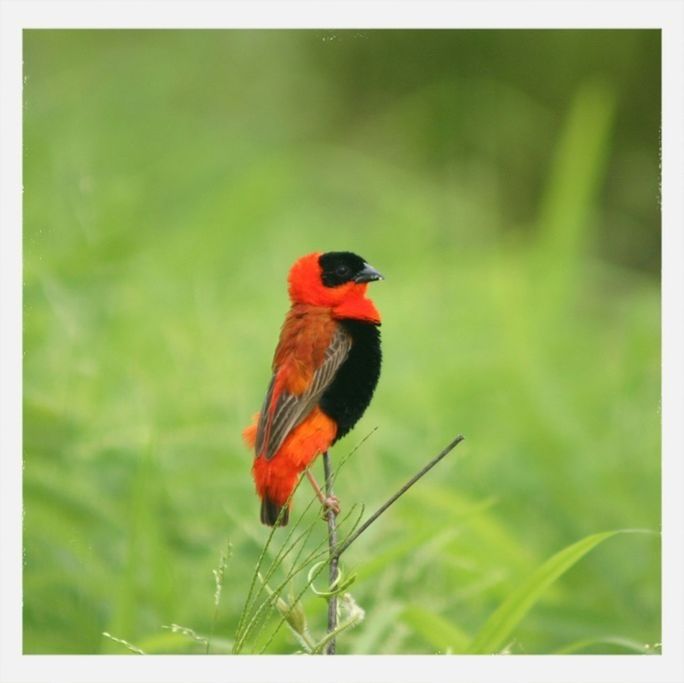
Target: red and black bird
<point>325,369</point>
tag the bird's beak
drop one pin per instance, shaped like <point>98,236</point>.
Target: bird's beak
<point>368,274</point>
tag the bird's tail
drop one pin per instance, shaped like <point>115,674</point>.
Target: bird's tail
<point>271,512</point>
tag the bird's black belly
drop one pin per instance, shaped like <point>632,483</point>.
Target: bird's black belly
<point>347,398</point>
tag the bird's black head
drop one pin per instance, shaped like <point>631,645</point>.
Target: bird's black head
<point>338,267</point>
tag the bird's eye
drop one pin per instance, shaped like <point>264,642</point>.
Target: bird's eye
<point>342,270</point>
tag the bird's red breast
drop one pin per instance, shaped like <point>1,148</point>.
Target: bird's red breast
<point>291,429</point>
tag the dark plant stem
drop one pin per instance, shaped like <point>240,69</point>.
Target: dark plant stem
<point>336,551</point>
<point>392,499</point>
<point>334,554</point>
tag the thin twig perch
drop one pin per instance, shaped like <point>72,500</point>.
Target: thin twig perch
<point>336,551</point>
<point>334,554</point>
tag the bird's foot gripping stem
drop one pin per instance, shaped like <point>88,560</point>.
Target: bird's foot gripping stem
<point>330,503</point>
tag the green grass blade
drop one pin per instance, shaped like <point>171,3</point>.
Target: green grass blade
<point>616,641</point>
<point>442,634</point>
<point>577,171</point>
<point>496,631</point>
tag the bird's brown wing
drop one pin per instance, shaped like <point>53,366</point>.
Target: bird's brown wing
<point>281,414</point>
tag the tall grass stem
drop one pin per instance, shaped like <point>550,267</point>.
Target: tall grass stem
<point>334,555</point>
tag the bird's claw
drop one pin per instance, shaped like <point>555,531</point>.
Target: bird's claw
<point>331,503</point>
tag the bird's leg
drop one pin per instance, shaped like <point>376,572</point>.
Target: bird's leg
<point>328,502</point>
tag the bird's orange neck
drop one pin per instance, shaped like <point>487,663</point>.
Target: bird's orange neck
<point>357,307</point>
<point>345,301</point>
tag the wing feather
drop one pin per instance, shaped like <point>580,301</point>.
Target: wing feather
<point>276,422</point>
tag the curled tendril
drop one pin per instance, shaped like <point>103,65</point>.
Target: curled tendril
<point>336,587</point>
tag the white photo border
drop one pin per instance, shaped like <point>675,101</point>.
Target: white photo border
<point>17,15</point>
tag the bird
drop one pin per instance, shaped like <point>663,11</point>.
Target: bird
<point>325,370</point>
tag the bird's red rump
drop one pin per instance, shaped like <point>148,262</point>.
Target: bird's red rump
<point>276,478</point>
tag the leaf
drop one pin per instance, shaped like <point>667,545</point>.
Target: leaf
<point>616,641</point>
<point>496,631</point>
<point>442,634</point>
<point>575,177</point>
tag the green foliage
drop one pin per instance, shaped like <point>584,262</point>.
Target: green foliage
<point>506,183</point>
<point>493,636</point>
<point>441,634</point>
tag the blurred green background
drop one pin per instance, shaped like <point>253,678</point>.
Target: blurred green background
<point>507,185</point>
